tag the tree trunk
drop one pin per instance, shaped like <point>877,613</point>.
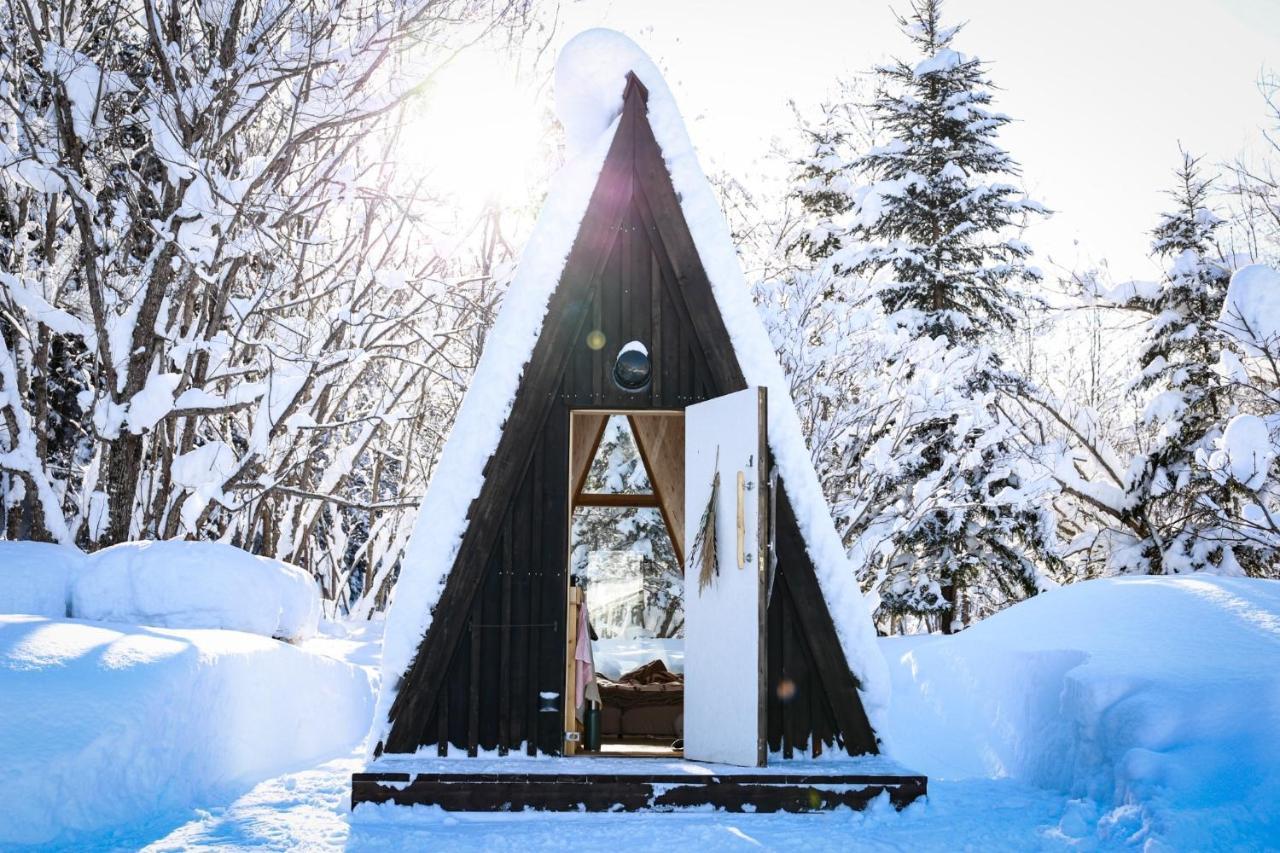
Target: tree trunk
<point>948,614</point>
<point>124,465</point>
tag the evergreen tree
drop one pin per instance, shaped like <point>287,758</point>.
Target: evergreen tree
<point>1171,498</point>
<point>828,173</point>
<point>930,239</point>
<point>933,230</point>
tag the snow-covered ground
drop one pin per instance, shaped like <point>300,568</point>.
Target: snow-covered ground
<point>162,584</point>
<point>1152,702</point>
<point>308,810</point>
<point>1112,713</point>
<point>111,728</point>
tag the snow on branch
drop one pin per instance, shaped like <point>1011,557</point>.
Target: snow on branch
<point>219,275</point>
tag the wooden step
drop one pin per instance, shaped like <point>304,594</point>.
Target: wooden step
<point>602,792</point>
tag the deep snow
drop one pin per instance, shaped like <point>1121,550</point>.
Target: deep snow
<point>161,584</point>
<point>197,585</point>
<point>1112,714</point>
<point>1153,701</point>
<point>105,726</point>
<point>36,578</point>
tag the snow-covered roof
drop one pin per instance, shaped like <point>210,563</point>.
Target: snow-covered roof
<point>590,79</point>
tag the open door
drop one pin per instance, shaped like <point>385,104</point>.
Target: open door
<point>724,655</point>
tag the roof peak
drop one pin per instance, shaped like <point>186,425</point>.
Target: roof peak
<point>635,85</point>
<point>596,72</point>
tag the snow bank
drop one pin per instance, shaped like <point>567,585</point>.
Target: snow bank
<point>590,79</point>
<point>36,578</point>
<point>164,584</point>
<point>109,725</point>
<point>1156,701</point>
<point>197,585</point>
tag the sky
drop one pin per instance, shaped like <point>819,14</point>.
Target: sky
<point>1102,91</point>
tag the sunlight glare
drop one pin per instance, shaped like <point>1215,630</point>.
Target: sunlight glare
<point>476,136</point>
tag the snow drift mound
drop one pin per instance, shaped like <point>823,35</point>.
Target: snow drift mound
<point>197,585</point>
<point>112,725</point>
<point>1154,699</point>
<point>164,584</point>
<point>36,578</point>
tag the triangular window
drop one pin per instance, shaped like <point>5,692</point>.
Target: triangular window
<point>617,468</point>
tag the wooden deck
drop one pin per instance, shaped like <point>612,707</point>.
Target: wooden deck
<point>653,786</point>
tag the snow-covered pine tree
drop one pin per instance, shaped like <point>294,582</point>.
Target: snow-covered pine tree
<point>930,238</point>
<point>934,230</point>
<point>1173,500</point>
<point>827,172</point>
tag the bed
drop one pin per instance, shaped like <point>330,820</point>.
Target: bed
<point>646,702</point>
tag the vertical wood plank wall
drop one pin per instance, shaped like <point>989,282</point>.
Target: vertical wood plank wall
<point>513,650</point>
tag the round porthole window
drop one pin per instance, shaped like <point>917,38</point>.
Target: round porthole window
<point>633,369</point>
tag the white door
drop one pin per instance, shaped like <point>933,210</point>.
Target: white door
<point>724,610</point>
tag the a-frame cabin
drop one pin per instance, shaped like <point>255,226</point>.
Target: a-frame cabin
<point>489,674</point>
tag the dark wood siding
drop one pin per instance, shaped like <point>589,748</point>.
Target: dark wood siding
<point>496,642</point>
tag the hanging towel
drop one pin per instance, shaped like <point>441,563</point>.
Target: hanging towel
<point>584,665</point>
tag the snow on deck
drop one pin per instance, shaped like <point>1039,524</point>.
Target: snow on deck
<point>843,765</point>
<point>311,811</point>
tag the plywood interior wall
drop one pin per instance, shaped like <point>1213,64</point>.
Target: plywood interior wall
<point>661,442</point>
<point>584,440</point>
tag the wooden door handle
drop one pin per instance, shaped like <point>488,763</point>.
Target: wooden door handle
<point>742,520</point>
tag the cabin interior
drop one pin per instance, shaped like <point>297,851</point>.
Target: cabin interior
<point>624,600</point>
